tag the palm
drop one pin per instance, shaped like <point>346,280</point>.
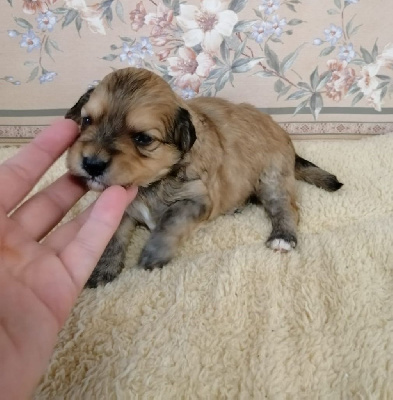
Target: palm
<point>35,282</point>
<point>41,279</point>
<point>24,269</point>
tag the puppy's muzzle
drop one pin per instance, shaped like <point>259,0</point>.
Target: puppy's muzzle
<point>94,166</point>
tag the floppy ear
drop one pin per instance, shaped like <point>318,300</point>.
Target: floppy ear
<point>74,113</point>
<point>183,131</point>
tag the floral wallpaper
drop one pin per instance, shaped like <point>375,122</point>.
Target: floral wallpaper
<point>296,58</point>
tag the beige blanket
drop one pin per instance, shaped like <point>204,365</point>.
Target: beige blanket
<point>230,319</point>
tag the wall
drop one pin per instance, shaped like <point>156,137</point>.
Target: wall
<point>320,67</point>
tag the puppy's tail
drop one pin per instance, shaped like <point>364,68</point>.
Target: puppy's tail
<point>308,172</point>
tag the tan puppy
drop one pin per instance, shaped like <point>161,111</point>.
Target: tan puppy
<point>193,160</point>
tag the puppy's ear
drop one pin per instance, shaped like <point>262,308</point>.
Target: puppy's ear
<point>74,113</point>
<point>183,132</point>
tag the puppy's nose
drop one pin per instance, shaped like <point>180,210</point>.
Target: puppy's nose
<point>94,166</point>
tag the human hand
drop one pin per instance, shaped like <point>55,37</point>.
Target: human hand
<point>41,276</point>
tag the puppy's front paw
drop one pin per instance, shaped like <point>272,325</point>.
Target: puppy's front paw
<point>154,255</point>
<point>108,268</point>
<point>282,242</point>
<point>100,277</point>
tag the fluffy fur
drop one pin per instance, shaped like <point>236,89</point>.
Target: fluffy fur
<point>193,160</point>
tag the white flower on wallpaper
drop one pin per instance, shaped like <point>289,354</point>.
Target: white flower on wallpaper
<point>369,84</point>
<point>189,68</point>
<point>200,46</point>
<point>385,59</point>
<point>368,81</point>
<point>91,14</point>
<point>206,25</point>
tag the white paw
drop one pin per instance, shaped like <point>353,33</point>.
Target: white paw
<point>281,245</point>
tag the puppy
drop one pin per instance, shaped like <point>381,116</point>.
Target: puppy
<point>192,160</point>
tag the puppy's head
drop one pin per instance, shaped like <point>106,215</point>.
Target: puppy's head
<point>133,130</point>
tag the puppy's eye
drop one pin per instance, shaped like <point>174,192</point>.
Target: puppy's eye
<point>142,139</point>
<point>86,121</point>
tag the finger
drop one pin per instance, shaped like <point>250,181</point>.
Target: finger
<point>39,214</point>
<point>20,173</point>
<point>81,255</point>
<point>63,235</point>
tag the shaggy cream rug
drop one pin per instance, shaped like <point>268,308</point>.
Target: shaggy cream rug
<point>230,319</point>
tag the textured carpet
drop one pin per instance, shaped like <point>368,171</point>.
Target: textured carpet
<point>230,319</point>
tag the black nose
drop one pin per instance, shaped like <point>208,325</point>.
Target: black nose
<point>94,166</point>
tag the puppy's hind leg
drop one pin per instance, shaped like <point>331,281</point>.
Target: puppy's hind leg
<point>276,192</point>
<point>112,260</point>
